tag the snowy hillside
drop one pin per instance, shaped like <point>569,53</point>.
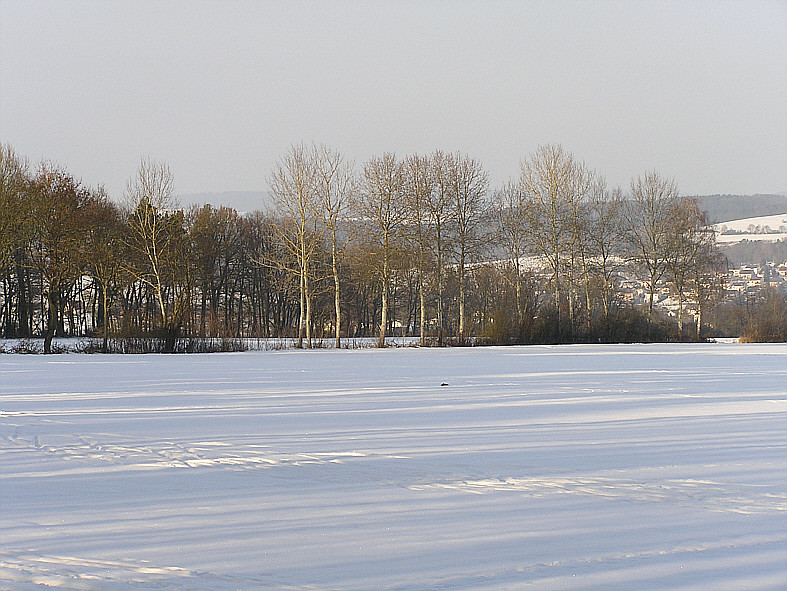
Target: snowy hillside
<point>576,467</point>
<point>769,228</point>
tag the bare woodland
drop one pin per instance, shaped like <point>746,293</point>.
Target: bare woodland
<point>418,246</point>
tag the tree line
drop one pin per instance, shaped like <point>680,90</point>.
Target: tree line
<point>417,246</point>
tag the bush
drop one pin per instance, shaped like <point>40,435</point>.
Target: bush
<point>768,324</point>
<point>501,329</point>
<point>630,325</point>
<point>27,347</point>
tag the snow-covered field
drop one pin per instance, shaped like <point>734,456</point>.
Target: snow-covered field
<point>574,467</point>
<point>735,238</point>
<point>769,228</point>
<point>773,222</point>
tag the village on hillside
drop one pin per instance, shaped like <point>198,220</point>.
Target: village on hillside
<point>736,284</point>
<point>740,282</point>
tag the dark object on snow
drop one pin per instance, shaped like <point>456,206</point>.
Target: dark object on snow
<point>443,384</point>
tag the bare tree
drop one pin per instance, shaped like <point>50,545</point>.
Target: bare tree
<point>56,243</point>
<point>691,257</point>
<point>292,185</point>
<point>470,184</point>
<point>104,251</point>
<point>605,234</point>
<point>508,213</point>
<point>13,177</point>
<point>14,233</point>
<point>335,187</point>
<point>441,218</point>
<point>580,181</point>
<point>681,248</point>
<point>216,236</point>
<point>268,285</point>
<point>706,280</point>
<point>653,200</point>
<point>383,207</point>
<point>419,184</point>
<point>158,238</point>
<point>547,183</point>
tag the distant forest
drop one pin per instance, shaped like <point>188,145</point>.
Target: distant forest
<point>725,208</point>
<point>719,208</point>
<point>755,252</point>
<point>417,246</point>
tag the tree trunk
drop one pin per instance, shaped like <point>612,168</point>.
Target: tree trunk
<point>170,337</point>
<point>384,307</point>
<point>571,312</point>
<point>23,312</point>
<point>105,317</point>
<point>680,312</point>
<point>439,291</point>
<point>652,288</point>
<point>203,312</point>
<point>556,255</point>
<point>462,299</point>
<point>7,321</point>
<point>51,321</point>
<point>518,294</point>
<point>302,309</point>
<point>337,302</point>
<point>422,296</point>
<point>308,319</point>
<point>588,302</point>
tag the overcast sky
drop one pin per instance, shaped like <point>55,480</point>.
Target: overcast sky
<point>695,90</point>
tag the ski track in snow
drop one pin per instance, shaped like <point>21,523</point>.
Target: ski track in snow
<point>30,571</point>
<point>584,467</point>
<point>715,496</point>
<point>170,454</point>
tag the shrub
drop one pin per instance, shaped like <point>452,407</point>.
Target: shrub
<point>768,323</point>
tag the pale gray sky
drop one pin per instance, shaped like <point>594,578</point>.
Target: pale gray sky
<point>695,90</point>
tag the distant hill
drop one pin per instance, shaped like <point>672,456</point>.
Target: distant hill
<point>767,224</point>
<point>243,201</point>
<point>720,208</point>
<point>724,208</point>
<point>754,248</point>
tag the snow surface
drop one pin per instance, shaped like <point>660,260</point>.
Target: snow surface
<point>775,224</point>
<point>735,238</point>
<point>573,467</point>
